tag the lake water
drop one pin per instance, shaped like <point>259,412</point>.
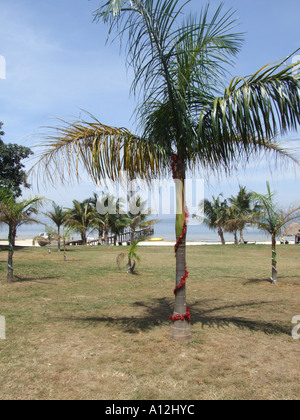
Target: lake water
<point>165,229</point>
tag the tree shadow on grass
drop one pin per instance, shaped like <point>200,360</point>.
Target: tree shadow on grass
<point>256,281</point>
<point>158,311</point>
<point>18,279</point>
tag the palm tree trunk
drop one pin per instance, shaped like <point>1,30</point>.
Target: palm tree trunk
<point>180,329</point>
<point>221,234</point>
<point>132,234</point>
<point>236,241</point>
<point>58,245</point>
<point>11,240</point>
<point>83,237</point>
<point>274,260</point>
<point>242,236</point>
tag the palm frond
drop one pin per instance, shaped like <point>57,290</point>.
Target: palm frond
<point>251,114</point>
<point>101,150</point>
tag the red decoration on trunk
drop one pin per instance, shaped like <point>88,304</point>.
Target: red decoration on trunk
<point>187,315</point>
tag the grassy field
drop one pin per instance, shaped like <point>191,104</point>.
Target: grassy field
<point>83,330</point>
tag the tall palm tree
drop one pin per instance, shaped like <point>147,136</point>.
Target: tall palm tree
<point>187,120</point>
<point>58,217</point>
<point>79,218</point>
<point>15,213</point>
<point>272,220</point>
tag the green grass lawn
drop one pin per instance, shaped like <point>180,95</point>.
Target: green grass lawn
<point>83,330</point>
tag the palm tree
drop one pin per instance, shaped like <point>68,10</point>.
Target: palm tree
<point>241,208</point>
<point>15,213</point>
<point>132,256</point>
<point>119,222</point>
<point>79,218</point>
<point>137,214</point>
<point>109,215</point>
<point>58,217</point>
<point>215,212</point>
<point>272,220</point>
<point>187,120</point>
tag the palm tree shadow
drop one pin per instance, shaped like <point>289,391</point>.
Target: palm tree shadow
<point>257,281</point>
<point>157,313</point>
<point>18,279</point>
<point>208,318</point>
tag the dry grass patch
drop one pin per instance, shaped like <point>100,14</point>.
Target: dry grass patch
<point>84,330</point>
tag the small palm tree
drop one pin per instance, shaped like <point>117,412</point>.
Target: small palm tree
<point>58,217</point>
<point>15,213</point>
<point>132,256</point>
<point>272,220</point>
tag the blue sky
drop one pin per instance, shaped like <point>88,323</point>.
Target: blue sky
<point>57,63</point>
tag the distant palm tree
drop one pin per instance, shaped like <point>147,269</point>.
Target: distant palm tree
<point>109,214</point>
<point>58,217</point>
<point>240,210</point>
<point>215,212</point>
<point>80,218</point>
<point>187,119</point>
<point>272,220</point>
<point>138,212</point>
<point>15,213</point>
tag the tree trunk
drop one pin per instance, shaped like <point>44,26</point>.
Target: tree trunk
<point>236,241</point>
<point>132,233</point>
<point>242,236</point>
<point>59,240</point>
<point>11,240</point>
<point>83,237</point>
<point>180,329</point>
<point>221,234</point>
<point>106,233</point>
<point>274,261</point>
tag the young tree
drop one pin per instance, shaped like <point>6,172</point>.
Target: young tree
<point>132,255</point>
<point>187,120</point>
<point>12,174</point>
<point>272,220</point>
<point>15,213</point>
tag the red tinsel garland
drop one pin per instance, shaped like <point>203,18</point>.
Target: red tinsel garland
<point>187,315</point>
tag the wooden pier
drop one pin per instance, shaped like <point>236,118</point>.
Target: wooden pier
<point>121,239</point>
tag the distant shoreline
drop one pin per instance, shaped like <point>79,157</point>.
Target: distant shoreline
<point>29,243</point>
